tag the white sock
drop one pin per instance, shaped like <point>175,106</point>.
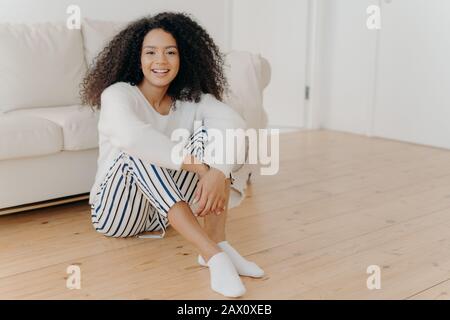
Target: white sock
<point>224,277</point>
<point>242,265</point>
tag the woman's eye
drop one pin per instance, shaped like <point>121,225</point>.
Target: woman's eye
<point>169,52</point>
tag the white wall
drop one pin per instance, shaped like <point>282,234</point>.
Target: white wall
<point>278,30</point>
<point>391,83</point>
<point>345,65</point>
<point>213,15</point>
<point>413,83</point>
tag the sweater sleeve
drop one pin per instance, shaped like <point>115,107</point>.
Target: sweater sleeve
<point>219,117</point>
<point>120,122</point>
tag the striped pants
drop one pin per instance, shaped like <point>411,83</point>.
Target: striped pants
<point>135,196</point>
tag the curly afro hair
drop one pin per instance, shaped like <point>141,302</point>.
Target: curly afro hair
<point>201,62</point>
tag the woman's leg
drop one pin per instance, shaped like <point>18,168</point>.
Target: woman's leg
<point>215,228</point>
<point>166,194</point>
<point>121,209</point>
<point>215,225</point>
<point>224,276</point>
<point>183,220</point>
<point>160,189</point>
<point>129,190</point>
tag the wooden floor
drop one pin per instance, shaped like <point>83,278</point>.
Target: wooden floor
<point>339,204</point>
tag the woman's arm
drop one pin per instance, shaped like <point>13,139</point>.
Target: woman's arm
<point>217,115</point>
<point>120,122</point>
<point>220,117</point>
<point>210,190</point>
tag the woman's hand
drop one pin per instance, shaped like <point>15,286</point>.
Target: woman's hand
<point>210,192</point>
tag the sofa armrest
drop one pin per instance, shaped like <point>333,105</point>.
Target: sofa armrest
<point>266,72</point>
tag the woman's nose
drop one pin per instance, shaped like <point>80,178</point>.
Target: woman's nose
<point>161,57</point>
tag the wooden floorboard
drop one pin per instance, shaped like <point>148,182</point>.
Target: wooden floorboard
<point>339,203</point>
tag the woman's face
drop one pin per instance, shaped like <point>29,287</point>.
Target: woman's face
<point>160,58</point>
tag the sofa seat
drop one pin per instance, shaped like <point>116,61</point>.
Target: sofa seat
<point>52,129</point>
<point>24,136</point>
<point>43,149</point>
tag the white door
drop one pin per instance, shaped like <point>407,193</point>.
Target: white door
<point>413,86</point>
<point>277,29</point>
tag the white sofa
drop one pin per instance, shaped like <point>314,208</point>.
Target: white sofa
<point>48,141</point>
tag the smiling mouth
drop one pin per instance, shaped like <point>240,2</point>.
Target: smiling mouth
<point>160,71</point>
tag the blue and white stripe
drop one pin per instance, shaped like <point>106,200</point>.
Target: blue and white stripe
<point>135,197</point>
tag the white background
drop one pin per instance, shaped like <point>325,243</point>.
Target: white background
<point>393,83</point>
<point>211,14</point>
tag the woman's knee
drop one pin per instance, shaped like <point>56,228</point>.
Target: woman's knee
<point>177,206</point>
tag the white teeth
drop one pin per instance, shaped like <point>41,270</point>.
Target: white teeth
<point>160,70</point>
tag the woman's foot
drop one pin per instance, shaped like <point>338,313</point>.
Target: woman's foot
<point>224,277</point>
<point>242,265</point>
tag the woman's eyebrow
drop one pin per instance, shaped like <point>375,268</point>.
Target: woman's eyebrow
<point>153,47</point>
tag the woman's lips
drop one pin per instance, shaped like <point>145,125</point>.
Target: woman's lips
<point>160,72</point>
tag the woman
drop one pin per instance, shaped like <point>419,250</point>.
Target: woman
<point>159,74</point>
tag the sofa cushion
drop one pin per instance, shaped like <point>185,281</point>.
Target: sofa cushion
<point>26,136</point>
<point>78,124</point>
<point>40,65</point>
<point>96,35</point>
